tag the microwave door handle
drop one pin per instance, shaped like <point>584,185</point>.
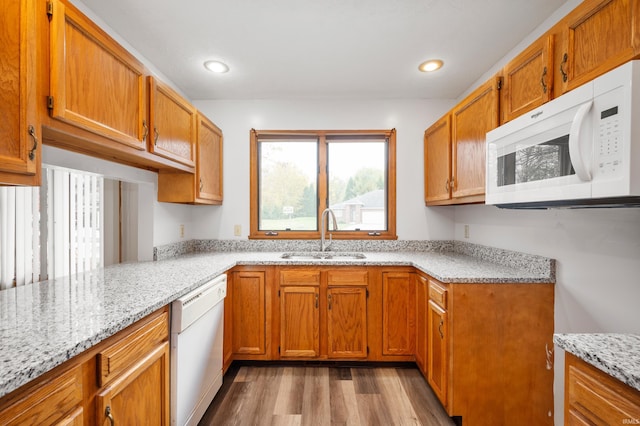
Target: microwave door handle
<point>581,169</point>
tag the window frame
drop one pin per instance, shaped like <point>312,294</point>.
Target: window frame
<point>322,190</point>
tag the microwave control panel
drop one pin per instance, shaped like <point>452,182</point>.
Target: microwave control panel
<point>609,140</point>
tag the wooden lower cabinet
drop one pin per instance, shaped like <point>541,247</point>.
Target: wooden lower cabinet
<point>299,322</point>
<point>489,351</point>
<point>140,395</point>
<point>593,397</point>
<point>422,299</point>
<point>249,293</point>
<point>398,313</point>
<point>323,313</point>
<point>78,392</point>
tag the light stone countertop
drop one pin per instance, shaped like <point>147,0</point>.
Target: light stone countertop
<point>45,324</point>
<point>616,354</point>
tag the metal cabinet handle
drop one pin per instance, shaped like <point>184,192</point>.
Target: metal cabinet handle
<point>565,58</point>
<point>452,184</point>
<point>446,185</point>
<point>440,329</point>
<point>32,133</point>
<point>201,185</point>
<point>146,130</point>
<point>107,413</point>
<point>155,139</point>
<point>316,300</point>
<point>329,297</point>
<point>543,80</point>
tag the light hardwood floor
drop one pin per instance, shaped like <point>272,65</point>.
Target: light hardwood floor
<point>324,395</point>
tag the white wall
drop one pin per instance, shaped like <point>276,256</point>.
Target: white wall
<point>409,117</point>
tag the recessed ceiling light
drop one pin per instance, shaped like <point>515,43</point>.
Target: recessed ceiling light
<point>216,66</point>
<point>430,65</point>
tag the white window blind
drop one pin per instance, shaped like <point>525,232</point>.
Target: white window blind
<point>51,231</point>
<point>19,236</point>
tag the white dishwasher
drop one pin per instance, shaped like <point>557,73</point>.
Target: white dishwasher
<point>197,324</point>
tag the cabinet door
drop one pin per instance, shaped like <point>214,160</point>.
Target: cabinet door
<point>438,361</point>
<point>248,312</point>
<point>299,322</point>
<point>347,322</point>
<point>208,162</point>
<point>173,124</point>
<point>19,128</point>
<point>437,161</point>
<point>96,85</point>
<point>528,79</point>
<point>421,322</point>
<point>140,395</point>
<point>597,36</point>
<point>398,314</point>
<point>471,120</point>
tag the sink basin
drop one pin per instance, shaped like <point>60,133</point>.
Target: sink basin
<point>323,255</point>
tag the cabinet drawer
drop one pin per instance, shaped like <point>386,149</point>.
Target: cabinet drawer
<point>302,276</point>
<point>49,403</point>
<point>121,355</point>
<point>597,398</point>
<point>438,294</point>
<point>358,277</point>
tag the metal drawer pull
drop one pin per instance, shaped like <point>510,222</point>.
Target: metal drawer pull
<point>107,413</point>
<point>543,80</point>
<point>32,132</point>
<point>146,130</point>
<point>440,329</point>
<point>565,57</point>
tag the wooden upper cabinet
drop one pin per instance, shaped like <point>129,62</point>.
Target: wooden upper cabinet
<point>19,127</point>
<point>528,79</point>
<point>208,162</point>
<point>597,36</point>
<point>172,121</point>
<point>470,121</point>
<point>95,84</point>
<point>437,161</point>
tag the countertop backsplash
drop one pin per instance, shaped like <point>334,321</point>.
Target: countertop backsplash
<point>533,263</point>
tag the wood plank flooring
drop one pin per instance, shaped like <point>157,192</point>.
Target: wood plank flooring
<point>286,395</point>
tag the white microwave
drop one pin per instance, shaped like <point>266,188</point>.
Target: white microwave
<point>581,149</point>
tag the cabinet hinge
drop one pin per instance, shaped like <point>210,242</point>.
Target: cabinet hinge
<point>49,9</point>
<point>50,102</point>
<point>499,83</point>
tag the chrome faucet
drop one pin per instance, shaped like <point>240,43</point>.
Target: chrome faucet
<point>323,244</point>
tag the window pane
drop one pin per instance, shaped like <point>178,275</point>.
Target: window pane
<point>358,185</point>
<point>288,185</point>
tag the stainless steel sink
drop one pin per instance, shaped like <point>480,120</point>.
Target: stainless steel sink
<point>323,255</point>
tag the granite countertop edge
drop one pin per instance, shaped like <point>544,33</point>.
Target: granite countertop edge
<point>616,354</point>
<point>27,333</point>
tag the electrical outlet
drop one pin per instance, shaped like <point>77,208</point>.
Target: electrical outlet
<point>181,231</point>
<point>237,230</point>
<point>466,231</point>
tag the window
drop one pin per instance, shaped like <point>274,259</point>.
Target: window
<point>295,176</point>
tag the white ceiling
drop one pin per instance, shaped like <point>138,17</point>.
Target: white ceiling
<point>323,48</point>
